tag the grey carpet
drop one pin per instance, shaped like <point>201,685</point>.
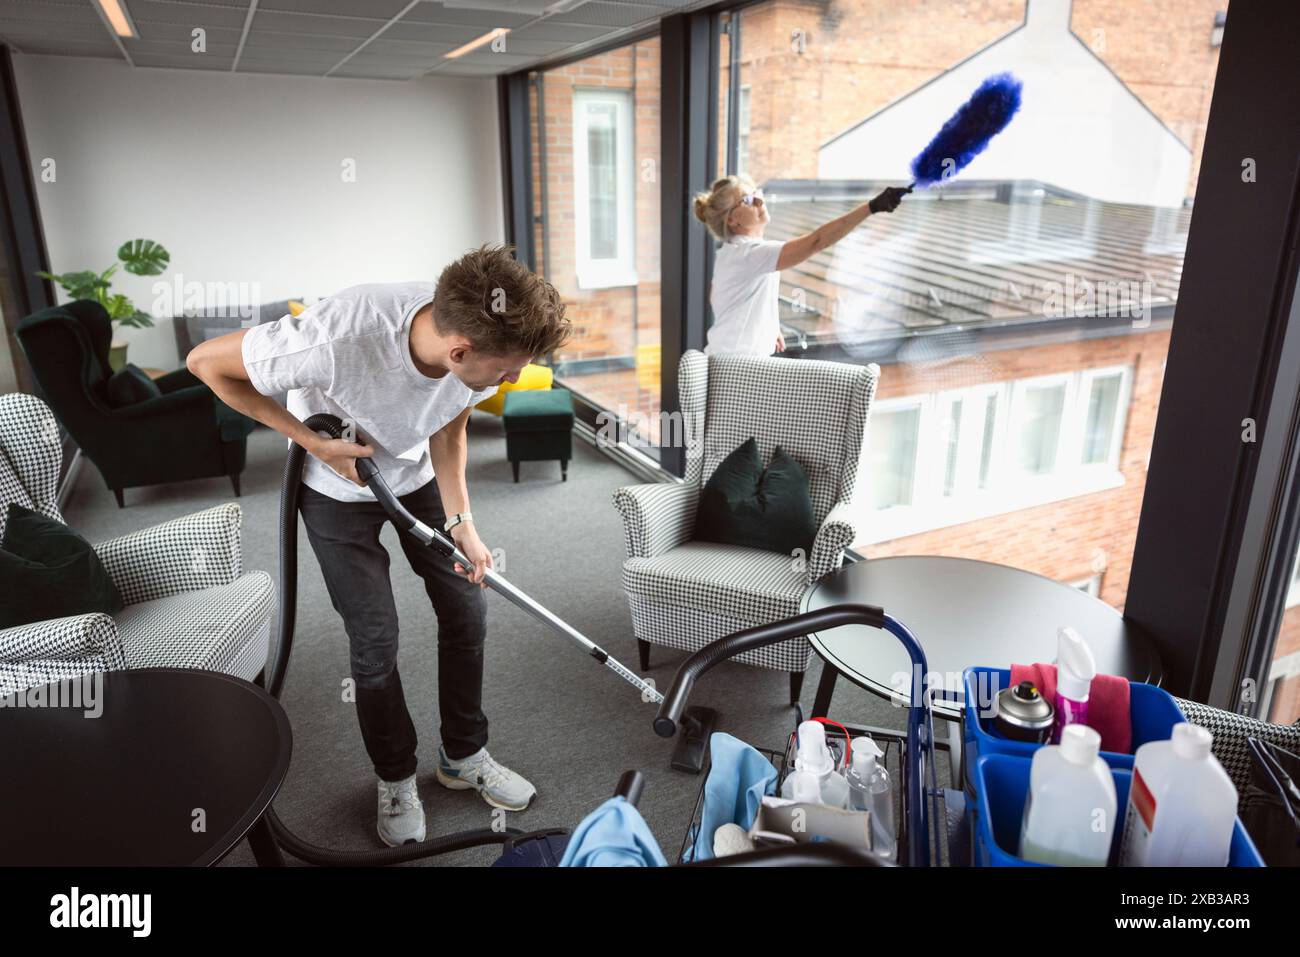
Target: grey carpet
<point>567,724</point>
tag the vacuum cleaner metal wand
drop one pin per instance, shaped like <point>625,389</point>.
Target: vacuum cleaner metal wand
<point>370,474</point>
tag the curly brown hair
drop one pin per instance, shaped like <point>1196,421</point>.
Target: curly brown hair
<point>499,304</point>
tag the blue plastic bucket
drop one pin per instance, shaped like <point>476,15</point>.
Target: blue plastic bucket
<point>1152,713</point>
<point>1001,785</point>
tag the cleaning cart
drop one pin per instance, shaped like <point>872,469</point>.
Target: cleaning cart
<point>909,755</point>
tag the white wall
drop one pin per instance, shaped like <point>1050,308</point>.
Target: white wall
<point>240,177</point>
<point>1078,127</point>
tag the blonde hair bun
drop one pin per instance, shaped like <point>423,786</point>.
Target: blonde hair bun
<point>711,208</point>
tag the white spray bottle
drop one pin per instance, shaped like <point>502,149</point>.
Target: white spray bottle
<point>869,790</point>
<point>1075,669</point>
<point>814,756</point>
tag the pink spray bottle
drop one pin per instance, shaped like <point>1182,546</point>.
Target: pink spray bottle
<point>1075,669</point>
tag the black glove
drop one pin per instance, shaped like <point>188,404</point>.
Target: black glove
<point>888,201</point>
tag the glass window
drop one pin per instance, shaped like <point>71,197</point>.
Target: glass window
<point>891,457</point>
<point>595,169</point>
<point>987,432</point>
<point>603,185</point>
<point>1101,428</point>
<point>602,181</point>
<point>1022,310</point>
<point>952,439</point>
<point>1280,700</point>
<point>1039,428</point>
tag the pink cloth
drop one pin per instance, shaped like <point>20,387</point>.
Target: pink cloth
<point>1108,705</point>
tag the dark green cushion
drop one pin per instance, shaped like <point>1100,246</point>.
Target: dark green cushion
<point>538,410</point>
<point>131,385</point>
<point>49,571</point>
<point>745,504</point>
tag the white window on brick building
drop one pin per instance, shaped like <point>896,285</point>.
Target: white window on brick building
<point>891,460</point>
<point>936,460</point>
<point>603,183</point>
<point>1038,418</point>
<point>1101,438</point>
<point>1089,586</point>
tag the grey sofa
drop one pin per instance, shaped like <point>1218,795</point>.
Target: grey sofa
<point>195,327</point>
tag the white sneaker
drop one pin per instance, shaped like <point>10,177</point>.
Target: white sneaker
<point>499,786</point>
<point>401,815</point>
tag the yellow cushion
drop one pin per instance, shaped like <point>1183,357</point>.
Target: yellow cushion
<point>296,308</point>
<point>649,358</point>
<point>533,377</point>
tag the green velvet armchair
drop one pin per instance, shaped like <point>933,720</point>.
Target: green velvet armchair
<point>184,433</point>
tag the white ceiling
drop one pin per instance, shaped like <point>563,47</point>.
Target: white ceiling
<point>372,39</point>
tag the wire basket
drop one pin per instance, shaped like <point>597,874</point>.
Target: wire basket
<point>892,743</point>
<point>909,755</point>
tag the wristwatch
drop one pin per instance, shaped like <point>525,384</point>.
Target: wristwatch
<point>456,519</point>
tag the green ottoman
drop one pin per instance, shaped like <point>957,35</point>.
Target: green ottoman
<point>539,426</point>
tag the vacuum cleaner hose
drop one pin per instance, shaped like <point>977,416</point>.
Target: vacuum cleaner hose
<point>279,665</point>
<point>716,652</point>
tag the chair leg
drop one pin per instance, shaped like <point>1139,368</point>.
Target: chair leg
<point>117,494</point>
<point>796,685</point>
<point>515,466</point>
<point>234,483</point>
<point>643,648</point>
<point>564,470</point>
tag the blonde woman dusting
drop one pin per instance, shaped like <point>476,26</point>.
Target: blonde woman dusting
<point>747,268</point>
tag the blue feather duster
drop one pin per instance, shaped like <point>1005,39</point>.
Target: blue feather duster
<point>969,130</point>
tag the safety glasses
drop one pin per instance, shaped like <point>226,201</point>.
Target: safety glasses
<point>752,198</point>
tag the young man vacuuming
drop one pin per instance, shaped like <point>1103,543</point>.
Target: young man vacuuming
<point>405,363</point>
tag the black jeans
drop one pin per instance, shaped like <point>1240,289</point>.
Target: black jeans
<point>345,538</point>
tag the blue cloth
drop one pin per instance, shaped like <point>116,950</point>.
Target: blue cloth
<point>738,778</point>
<point>613,835</point>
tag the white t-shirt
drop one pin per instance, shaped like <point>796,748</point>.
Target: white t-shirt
<point>744,297</point>
<point>350,355</point>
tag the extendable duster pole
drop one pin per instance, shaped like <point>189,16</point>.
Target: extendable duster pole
<point>369,473</point>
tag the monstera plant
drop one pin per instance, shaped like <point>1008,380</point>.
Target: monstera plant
<point>140,257</point>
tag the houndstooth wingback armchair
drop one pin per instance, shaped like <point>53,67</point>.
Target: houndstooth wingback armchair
<point>189,604</point>
<point>683,593</point>
<point>1230,731</point>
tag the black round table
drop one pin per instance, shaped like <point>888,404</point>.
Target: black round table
<point>173,749</point>
<point>963,613</point>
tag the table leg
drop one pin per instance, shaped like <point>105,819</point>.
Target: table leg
<point>956,755</point>
<point>825,688</point>
<point>265,850</point>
